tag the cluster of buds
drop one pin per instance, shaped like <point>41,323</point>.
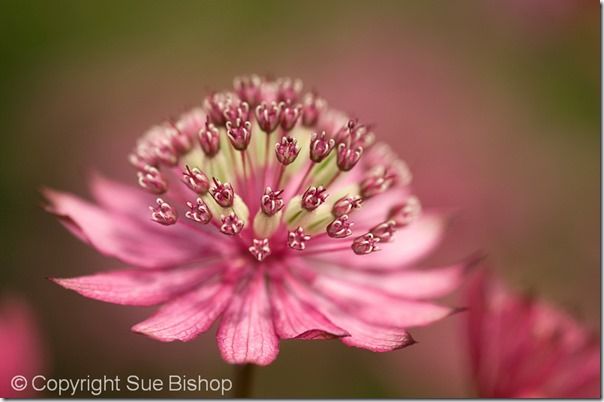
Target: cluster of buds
<point>201,146</point>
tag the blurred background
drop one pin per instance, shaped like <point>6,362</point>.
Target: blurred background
<point>494,105</point>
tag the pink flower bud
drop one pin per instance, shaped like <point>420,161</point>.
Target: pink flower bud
<point>231,224</point>
<point>380,180</point>
<point>340,227</point>
<point>163,213</point>
<point>196,180</point>
<point>239,133</point>
<point>152,180</point>
<point>209,139</point>
<point>313,198</point>
<point>288,90</point>
<point>289,116</point>
<point>365,244</point>
<point>384,231</point>
<point>248,88</point>
<point>272,201</point>
<point>312,107</point>
<point>347,157</point>
<point>268,116</point>
<point>214,106</point>
<point>345,205</point>
<point>405,213</point>
<point>287,150</point>
<point>260,249</point>
<point>296,239</point>
<point>198,212</point>
<point>236,110</point>
<point>223,194</point>
<point>320,146</point>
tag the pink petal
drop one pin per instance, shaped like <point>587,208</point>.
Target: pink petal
<point>135,241</point>
<point>408,246</point>
<point>407,284</point>
<point>523,347</point>
<point>379,308</point>
<point>246,333</point>
<point>119,197</point>
<point>295,319</point>
<point>189,315</point>
<point>374,337</point>
<point>137,287</point>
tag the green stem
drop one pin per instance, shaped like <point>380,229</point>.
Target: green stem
<point>243,380</point>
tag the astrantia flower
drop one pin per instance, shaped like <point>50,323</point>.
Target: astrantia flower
<point>524,348</point>
<point>267,210</point>
<point>21,349</point>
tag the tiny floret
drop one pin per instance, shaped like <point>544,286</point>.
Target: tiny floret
<point>345,205</point>
<point>268,116</point>
<point>260,249</point>
<point>198,211</point>
<point>152,180</point>
<point>384,231</point>
<point>320,146</point>
<point>313,198</point>
<point>222,193</point>
<point>231,224</point>
<point>209,139</point>
<point>163,213</point>
<point>365,244</point>
<point>196,180</point>
<point>296,239</point>
<point>272,201</point>
<point>340,227</point>
<point>287,150</point>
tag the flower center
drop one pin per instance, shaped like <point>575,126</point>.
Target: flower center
<point>273,172</point>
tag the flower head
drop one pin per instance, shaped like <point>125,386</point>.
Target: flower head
<point>279,244</point>
<point>521,347</point>
<point>22,352</point>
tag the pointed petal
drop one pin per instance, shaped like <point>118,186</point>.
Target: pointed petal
<point>189,315</point>
<point>118,197</point>
<point>137,287</point>
<point>246,333</point>
<point>407,284</point>
<point>132,239</point>
<point>295,319</point>
<point>379,308</point>
<point>374,337</point>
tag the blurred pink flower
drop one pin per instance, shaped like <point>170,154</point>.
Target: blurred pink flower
<point>20,347</point>
<point>524,348</point>
<point>272,209</point>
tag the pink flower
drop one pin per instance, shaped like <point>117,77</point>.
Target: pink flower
<point>275,235</point>
<point>524,348</point>
<point>20,347</point>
